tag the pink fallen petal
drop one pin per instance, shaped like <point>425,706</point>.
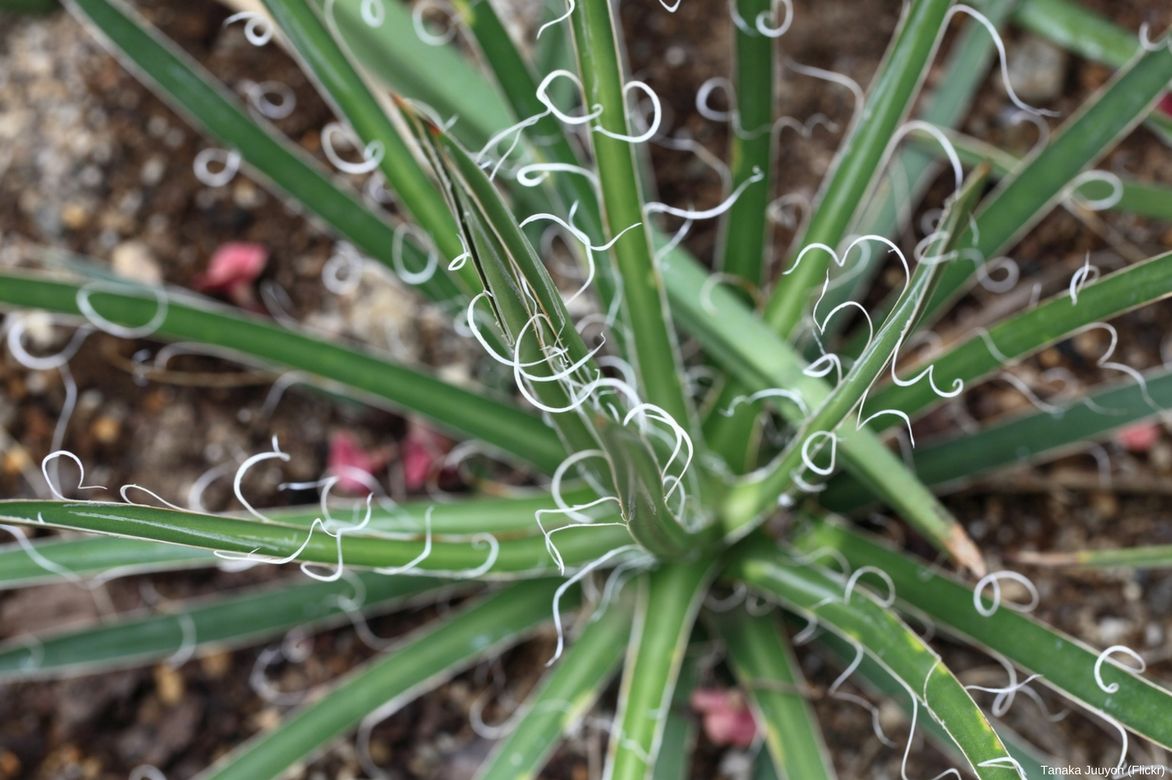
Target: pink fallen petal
<point>1140,437</point>
<point>709,699</point>
<point>726,717</point>
<point>418,460</point>
<point>351,464</point>
<point>233,270</point>
<point>1166,103</point>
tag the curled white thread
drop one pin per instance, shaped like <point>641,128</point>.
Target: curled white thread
<point>986,280</point>
<point>1105,656</point>
<point>406,275</point>
<point>1108,201</point>
<point>1086,272</point>
<point>834,78</point>
<point>569,583</point>
<point>1106,362</point>
<point>424,553</point>
<point>550,547</point>
<point>375,190</point>
<point>342,272</point>
<point>201,484</point>
<point>125,490</point>
<point>252,557</point>
<point>582,238</point>
<point>51,458</point>
<point>307,568</point>
<point>18,325</point>
<point>1146,42</point>
<point>937,135</point>
<point>1003,700</point>
<point>569,10</point>
<point>547,101</point>
<point>426,35</point>
<point>704,95</point>
<point>813,445</point>
<point>1005,762</point>
<point>887,600</point>
<point>662,208</point>
<point>101,323</point>
<point>559,474</point>
<point>187,641</point>
<point>257,29</point>
<point>1003,59</point>
<point>228,161</point>
<point>272,99</point>
<point>992,580</point>
<point>713,281</point>
<point>249,462</point>
<point>774,392</point>
<point>788,210</point>
<point>534,174</point>
<point>761,23</point>
<point>37,557</point>
<point>259,682</point>
<point>372,153</point>
<point>373,12</point>
<point>652,126</point>
<point>835,693</point>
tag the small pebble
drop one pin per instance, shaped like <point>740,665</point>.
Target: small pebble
<point>133,260</point>
<point>106,429</point>
<point>9,764</point>
<point>216,665</point>
<point>74,216</point>
<point>168,684</point>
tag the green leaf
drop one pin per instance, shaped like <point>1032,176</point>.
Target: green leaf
<point>519,84</point>
<point>340,83</point>
<point>1126,195</point>
<point>522,295</point>
<point>680,731</point>
<point>1016,337</point>
<point>765,668</point>
<point>638,486</point>
<point>235,619</point>
<point>752,495</point>
<point>1027,437</point>
<point>473,556</point>
<point>652,350</point>
<point>475,414</point>
<point>102,558</point>
<point>393,53</point>
<point>1021,200</point>
<point>668,602</point>
<point>562,697</point>
<point>893,87</point>
<point>1077,28</point>
<point>401,674</point>
<point>1089,35</point>
<point>863,620</point>
<point>1156,556</point>
<point>747,348</point>
<point>880,684</point>
<point>99,558</point>
<point>1066,665</point>
<point>206,103</point>
<point>743,249</point>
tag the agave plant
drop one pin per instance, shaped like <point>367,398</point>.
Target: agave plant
<point>682,501</point>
